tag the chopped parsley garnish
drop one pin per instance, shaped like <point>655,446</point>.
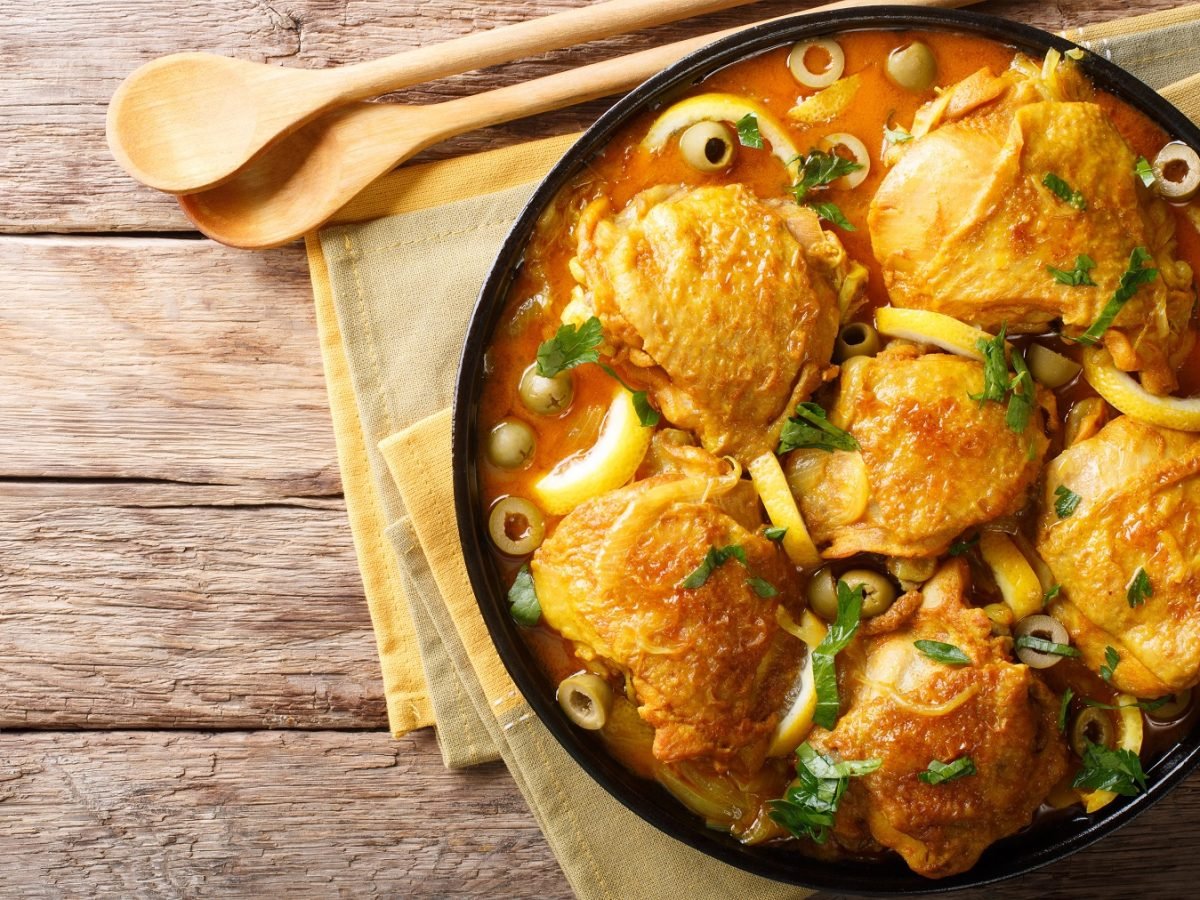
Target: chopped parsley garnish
<point>1054,591</point>
<point>1139,589</point>
<point>1111,660</point>
<point>939,772</point>
<point>1077,276</point>
<point>762,587</point>
<point>646,413</point>
<point>831,213</point>
<point>1032,642</point>
<point>959,548</point>
<point>1064,191</point>
<point>942,652</point>
<point>997,386</point>
<point>1062,709</point>
<point>747,130</point>
<point>1137,274</point>
<point>840,633</point>
<point>1148,705</point>
<point>1119,771</point>
<point>1020,400</point>
<point>811,428</point>
<point>810,801</point>
<point>897,135</point>
<point>818,169</point>
<point>713,560</point>
<point>570,347</point>
<point>1143,170</point>
<point>525,608</point>
<point>774,533</point>
<point>1066,501</point>
<point>995,369</point>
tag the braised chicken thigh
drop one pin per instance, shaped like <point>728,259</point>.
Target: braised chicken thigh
<point>1138,511</point>
<point>934,462</point>
<point>708,664</point>
<point>730,301</point>
<point>905,709</point>
<point>995,189</point>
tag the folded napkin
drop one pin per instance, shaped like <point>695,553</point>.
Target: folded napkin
<point>395,278</point>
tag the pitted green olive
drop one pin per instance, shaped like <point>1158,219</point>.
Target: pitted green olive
<point>822,594</point>
<point>546,396</point>
<point>707,146</point>
<point>1095,726</point>
<point>510,444</point>
<point>1178,703</point>
<point>912,67</point>
<point>856,339</point>
<point>1047,628</point>
<point>587,700</point>
<point>516,526</point>
<point>878,592</point>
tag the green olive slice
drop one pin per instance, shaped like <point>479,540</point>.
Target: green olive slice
<point>516,526</point>
<point>707,146</point>
<point>587,700</point>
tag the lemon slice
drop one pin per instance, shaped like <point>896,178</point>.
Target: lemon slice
<point>1123,392</point>
<point>776,496</point>
<point>723,108</point>
<point>1129,737</point>
<point>797,719</point>
<point>1018,583</point>
<point>607,464</point>
<point>926,327</point>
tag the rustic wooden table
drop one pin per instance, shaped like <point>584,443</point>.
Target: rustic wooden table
<point>191,702</point>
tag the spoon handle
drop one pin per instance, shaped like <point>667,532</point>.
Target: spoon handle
<point>499,45</point>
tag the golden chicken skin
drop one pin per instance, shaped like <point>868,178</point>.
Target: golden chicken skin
<point>906,710</point>
<point>644,582</point>
<point>1120,530</point>
<point>728,302</point>
<point>1010,176</point>
<point>933,461</point>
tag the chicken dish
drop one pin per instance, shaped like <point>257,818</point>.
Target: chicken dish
<point>838,443</point>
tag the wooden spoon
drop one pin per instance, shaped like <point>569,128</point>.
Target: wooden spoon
<point>186,122</point>
<point>303,180</point>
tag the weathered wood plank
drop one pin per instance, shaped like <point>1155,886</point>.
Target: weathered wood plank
<point>128,605</point>
<point>161,358</point>
<point>143,814</point>
<point>60,61</point>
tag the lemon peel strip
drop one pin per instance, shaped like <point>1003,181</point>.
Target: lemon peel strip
<point>776,496</point>
<point>1123,392</point>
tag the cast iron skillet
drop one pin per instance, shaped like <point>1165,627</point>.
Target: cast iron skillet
<point>1048,840</point>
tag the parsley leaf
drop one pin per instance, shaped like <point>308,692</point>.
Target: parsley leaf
<point>1077,276</point>
<point>1062,709</point>
<point>1020,400</point>
<point>646,413</point>
<point>569,348</point>
<point>840,633</point>
<point>762,587</point>
<point>1143,170</point>
<point>830,212</point>
<point>1119,771</point>
<point>942,652</point>
<point>1066,501</point>
<point>1064,191</point>
<point>1032,642</point>
<point>1137,274</point>
<point>748,134</point>
<point>811,428</point>
<point>1111,660</point>
<point>713,560</point>
<point>995,369</point>
<point>939,772</point>
<point>774,533</point>
<point>810,801</point>
<point>818,169</point>
<point>960,548</point>
<point>525,607</point>
<point>1054,591</point>
<point>1139,589</point>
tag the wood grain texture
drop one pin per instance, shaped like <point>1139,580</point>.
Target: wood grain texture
<point>60,61</point>
<point>132,605</point>
<point>161,358</point>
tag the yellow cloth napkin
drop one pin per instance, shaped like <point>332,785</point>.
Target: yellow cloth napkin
<point>395,279</point>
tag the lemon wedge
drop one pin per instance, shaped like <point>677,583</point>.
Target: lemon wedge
<point>926,327</point>
<point>1018,583</point>
<point>723,108</point>
<point>1129,737</point>
<point>776,496</point>
<point>1123,392</point>
<point>606,465</point>
<point>797,719</point>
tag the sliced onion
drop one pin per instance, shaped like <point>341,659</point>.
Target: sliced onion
<point>798,63</point>
<point>857,149</point>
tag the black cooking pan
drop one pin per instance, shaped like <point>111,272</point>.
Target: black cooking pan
<point>1049,839</point>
